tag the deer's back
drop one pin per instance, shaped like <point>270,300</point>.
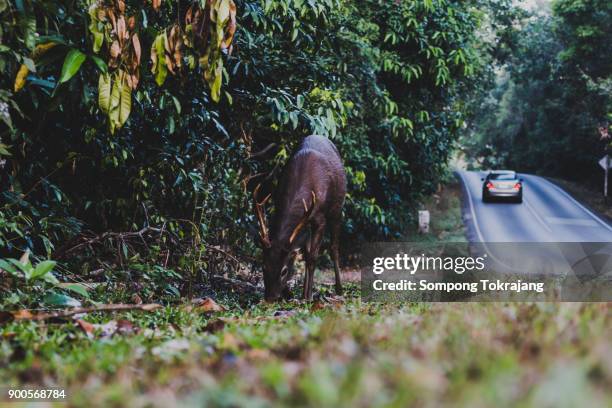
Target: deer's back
<point>315,166</point>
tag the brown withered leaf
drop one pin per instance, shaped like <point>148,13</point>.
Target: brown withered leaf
<point>137,49</point>
<point>131,23</point>
<point>175,41</point>
<point>87,327</point>
<point>112,18</point>
<point>122,33</point>
<point>231,27</point>
<point>156,4</point>
<point>115,49</point>
<point>208,306</point>
<point>125,327</point>
<point>121,5</point>
<point>214,326</point>
<point>318,306</point>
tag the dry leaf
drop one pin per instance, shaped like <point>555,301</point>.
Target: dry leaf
<point>137,49</point>
<point>115,49</point>
<point>87,327</point>
<point>208,305</point>
<point>125,327</point>
<point>214,326</point>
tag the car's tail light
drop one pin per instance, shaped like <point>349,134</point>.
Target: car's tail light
<point>517,186</point>
<point>490,185</point>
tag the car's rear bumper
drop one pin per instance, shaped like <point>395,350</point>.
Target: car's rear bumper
<point>504,193</point>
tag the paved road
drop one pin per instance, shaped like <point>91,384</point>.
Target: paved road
<point>547,214</point>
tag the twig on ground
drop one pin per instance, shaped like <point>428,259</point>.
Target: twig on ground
<point>26,314</point>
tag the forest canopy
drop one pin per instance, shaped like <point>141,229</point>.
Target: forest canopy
<point>550,108</point>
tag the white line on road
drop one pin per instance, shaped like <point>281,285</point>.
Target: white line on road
<point>535,214</point>
<point>467,189</point>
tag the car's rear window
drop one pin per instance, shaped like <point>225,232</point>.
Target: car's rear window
<point>507,176</point>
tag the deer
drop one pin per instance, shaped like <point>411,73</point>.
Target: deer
<point>309,198</point>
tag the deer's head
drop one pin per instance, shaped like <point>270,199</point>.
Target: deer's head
<point>278,253</point>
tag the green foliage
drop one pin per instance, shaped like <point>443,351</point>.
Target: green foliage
<point>551,103</point>
<point>26,284</point>
<point>354,355</point>
<point>384,80</point>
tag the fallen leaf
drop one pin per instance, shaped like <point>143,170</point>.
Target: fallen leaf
<point>87,327</point>
<point>23,315</point>
<point>125,327</point>
<point>318,306</point>
<point>208,305</point>
<point>214,326</point>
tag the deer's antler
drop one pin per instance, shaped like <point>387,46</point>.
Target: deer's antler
<point>260,212</point>
<point>305,217</point>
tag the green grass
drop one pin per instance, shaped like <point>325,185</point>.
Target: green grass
<point>355,354</point>
<point>327,353</point>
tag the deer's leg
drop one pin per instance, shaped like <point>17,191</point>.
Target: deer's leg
<point>336,225</point>
<point>311,257</point>
<point>287,290</point>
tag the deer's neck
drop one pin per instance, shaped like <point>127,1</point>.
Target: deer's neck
<point>285,222</point>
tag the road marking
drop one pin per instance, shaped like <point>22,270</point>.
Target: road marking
<point>536,215</point>
<point>467,189</point>
<point>599,220</point>
<point>579,222</point>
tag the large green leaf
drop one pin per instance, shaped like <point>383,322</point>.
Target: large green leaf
<point>104,92</point>
<point>8,267</point>
<point>100,64</point>
<point>160,69</point>
<point>58,299</point>
<point>73,61</point>
<point>215,89</point>
<point>77,288</point>
<point>42,268</point>
<point>126,103</point>
<point>24,268</point>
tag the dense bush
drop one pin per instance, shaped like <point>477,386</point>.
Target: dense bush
<point>383,79</point>
<point>552,101</point>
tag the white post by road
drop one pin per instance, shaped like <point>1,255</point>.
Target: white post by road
<point>606,178</point>
<point>424,221</point>
<point>605,164</point>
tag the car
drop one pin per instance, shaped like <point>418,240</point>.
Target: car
<point>502,184</point>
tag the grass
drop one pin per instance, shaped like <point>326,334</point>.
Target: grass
<point>329,353</point>
<point>445,213</point>
<point>354,354</point>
